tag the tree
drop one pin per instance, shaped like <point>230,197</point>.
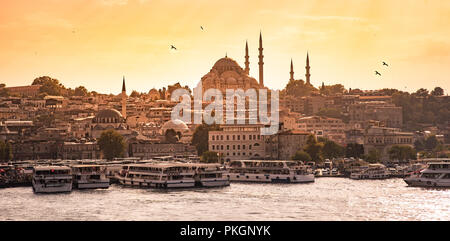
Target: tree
<point>135,94</point>
<point>49,85</point>
<point>298,88</point>
<point>313,148</point>
<point>5,151</point>
<point>81,91</point>
<point>419,145</point>
<point>171,136</point>
<point>401,153</point>
<point>421,92</point>
<point>438,91</point>
<point>201,136</point>
<point>301,156</point>
<point>354,150</point>
<point>431,143</point>
<point>331,150</point>
<point>373,156</point>
<point>210,157</point>
<point>112,144</point>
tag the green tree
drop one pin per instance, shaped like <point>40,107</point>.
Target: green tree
<point>354,150</point>
<point>401,153</point>
<point>201,136</point>
<point>331,150</point>
<point>135,94</point>
<point>112,144</point>
<point>171,136</point>
<point>438,91</point>
<point>210,157</point>
<point>49,85</point>
<point>314,148</point>
<point>81,91</point>
<point>419,145</point>
<point>373,156</point>
<point>5,151</point>
<point>301,156</point>
<point>431,143</point>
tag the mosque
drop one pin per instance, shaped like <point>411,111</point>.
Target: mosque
<point>227,74</point>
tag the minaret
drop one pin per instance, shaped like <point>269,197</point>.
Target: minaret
<point>261,63</point>
<point>124,99</point>
<point>292,72</point>
<point>247,63</point>
<point>307,75</point>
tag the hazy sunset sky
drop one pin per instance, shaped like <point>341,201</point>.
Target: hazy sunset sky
<point>95,42</point>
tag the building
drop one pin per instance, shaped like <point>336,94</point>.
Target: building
<point>383,138</point>
<point>234,142</point>
<point>387,114</point>
<point>29,90</point>
<point>106,120</point>
<point>330,128</point>
<point>148,149</point>
<point>79,150</point>
<point>283,145</point>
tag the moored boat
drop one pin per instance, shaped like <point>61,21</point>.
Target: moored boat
<point>437,174</point>
<point>52,179</point>
<point>269,171</point>
<point>89,177</point>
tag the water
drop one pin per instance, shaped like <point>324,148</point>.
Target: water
<point>326,199</point>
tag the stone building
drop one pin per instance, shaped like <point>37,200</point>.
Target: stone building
<point>236,142</point>
<point>383,138</point>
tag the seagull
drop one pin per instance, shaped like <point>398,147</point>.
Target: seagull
<point>377,73</point>
<point>172,47</point>
<point>384,63</point>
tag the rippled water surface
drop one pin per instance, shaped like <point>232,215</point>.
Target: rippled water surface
<point>326,199</point>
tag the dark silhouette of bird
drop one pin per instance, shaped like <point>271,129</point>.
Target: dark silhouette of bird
<point>201,27</point>
<point>377,73</point>
<point>384,63</point>
<point>172,47</point>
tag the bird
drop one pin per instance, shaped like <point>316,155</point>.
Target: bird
<point>377,73</point>
<point>172,47</point>
<point>201,27</point>
<point>384,63</point>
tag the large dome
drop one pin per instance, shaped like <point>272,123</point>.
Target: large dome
<point>226,64</point>
<point>108,116</point>
<point>109,113</point>
<point>177,125</point>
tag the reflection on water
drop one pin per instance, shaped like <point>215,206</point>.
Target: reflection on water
<point>326,199</point>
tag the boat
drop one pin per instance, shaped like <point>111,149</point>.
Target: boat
<point>266,171</point>
<point>89,177</point>
<point>437,174</point>
<point>210,175</point>
<point>52,179</point>
<point>172,175</point>
<point>373,171</point>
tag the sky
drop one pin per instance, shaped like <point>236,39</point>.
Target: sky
<point>94,43</point>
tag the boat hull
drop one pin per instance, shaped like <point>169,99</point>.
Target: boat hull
<point>92,185</point>
<point>423,182</point>
<point>267,178</point>
<point>52,189</point>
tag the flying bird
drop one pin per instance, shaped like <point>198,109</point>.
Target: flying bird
<point>172,47</point>
<point>377,73</point>
<point>384,63</point>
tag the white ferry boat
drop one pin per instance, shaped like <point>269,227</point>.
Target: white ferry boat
<point>89,176</point>
<point>269,171</point>
<point>51,179</point>
<point>210,175</point>
<point>373,171</point>
<point>437,174</point>
<point>172,175</point>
